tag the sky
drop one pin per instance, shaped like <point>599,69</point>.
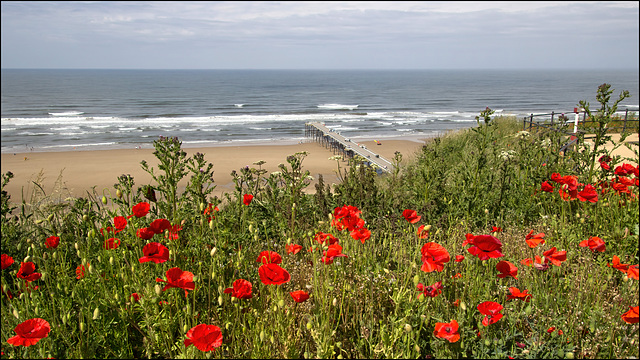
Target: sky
<point>320,35</point>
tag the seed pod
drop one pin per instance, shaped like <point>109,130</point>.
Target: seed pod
<point>96,313</point>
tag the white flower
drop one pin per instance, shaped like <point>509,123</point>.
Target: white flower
<point>523,134</point>
<point>507,155</point>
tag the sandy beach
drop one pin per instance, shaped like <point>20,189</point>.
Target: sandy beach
<point>79,171</point>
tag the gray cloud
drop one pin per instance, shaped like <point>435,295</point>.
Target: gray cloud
<point>319,34</point>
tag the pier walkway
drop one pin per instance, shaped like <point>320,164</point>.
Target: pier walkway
<point>342,145</point>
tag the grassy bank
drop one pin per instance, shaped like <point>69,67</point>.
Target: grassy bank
<point>490,244</point>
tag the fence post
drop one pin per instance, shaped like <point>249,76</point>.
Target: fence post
<point>531,122</point>
<point>624,124</point>
<point>552,113</point>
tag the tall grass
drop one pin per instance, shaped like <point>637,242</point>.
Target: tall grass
<point>482,181</point>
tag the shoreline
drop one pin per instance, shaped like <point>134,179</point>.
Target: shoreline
<point>72,173</point>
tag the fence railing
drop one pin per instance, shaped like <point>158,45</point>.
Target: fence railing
<point>627,118</point>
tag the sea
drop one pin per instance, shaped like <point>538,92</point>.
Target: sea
<point>75,110</point>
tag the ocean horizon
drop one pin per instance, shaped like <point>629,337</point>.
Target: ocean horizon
<point>90,109</point>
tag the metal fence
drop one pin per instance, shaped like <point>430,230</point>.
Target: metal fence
<point>576,119</point>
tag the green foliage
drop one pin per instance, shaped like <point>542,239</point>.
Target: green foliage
<point>364,305</point>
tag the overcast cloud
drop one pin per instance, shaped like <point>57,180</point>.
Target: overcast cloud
<point>320,35</point>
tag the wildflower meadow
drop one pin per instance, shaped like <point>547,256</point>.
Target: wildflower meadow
<point>490,243</point>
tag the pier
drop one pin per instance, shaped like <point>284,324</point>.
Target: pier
<point>339,144</point>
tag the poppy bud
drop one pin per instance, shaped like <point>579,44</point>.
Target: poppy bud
<point>568,355</point>
<point>272,339</point>
<point>335,302</point>
<point>220,300</point>
<point>81,326</point>
<point>104,200</point>
<point>78,253</point>
<point>213,252</point>
<point>281,303</point>
<point>189,309</point>
<point>308,325</point>
<point>55,255</point>
<point>44,275</point>
<point>26,259</point>
<point>250,228</point>
<point>76,246</point>
<point>407,328</point>
<point>50,218</point>
<point>15,312</point>
<point>463,306</point>
<point>99,258</point>
<point>96,313</point>
<point>116,297</point>
<point>416,280</point>
<point>85,217</point>
<point>185,328</point>
<point>111,260</point>
<point>158,290</point>
<point>201,207</point>
<point>293,206</point>
<point>119,194</point>
<point>262,336</point>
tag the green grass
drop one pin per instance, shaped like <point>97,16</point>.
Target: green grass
<point>364,305</point>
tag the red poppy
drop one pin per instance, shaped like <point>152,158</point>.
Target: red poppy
<point>555,257</point>
<point>555,177</point>
<point>459,258</point>
<point>154,252</point>
<point>632,273</point>
<point>209,211</point>
<point>140,210</point>
<point>120,222</point>
<point>588,194</point>
<point>491,310</point>
<point>569,190</point>
<point>626,169</point>
<point>347,217</point>
<point>615,263</point>
<point>6,261</point>
<point>145,233</point>
<point>27,271</point>
<point>293,248</point>
<point>594,243</point>
<point>434,256</point>
<point>605,166</point>
<point>551,329</point>
<point>507,269</point>
<point>80,271</point>
<point>447,331</point>
<point>52,242</point>
<point>111,243</point>
<point>331,253</point>
<point>273,274</point>
<point>178,278</point>
<point>496,229</point>
<point>299,296</point>
<point>325,238</point>
<point>534,240</point>
<point>269,257</point>
<point>204,337</point>
<point>457,276</point>
<point>135,297</point>
<point>516,294</point>
<point>172,234</point>
<point>485,247</point>
<point>430,291</point>
<point>631,316</point>
<point>30,332</point>
<point>422,233</point>
<point>247,198</point>
<point>241,289</point>
<point>411,216</point>
<point>158,226</point>
<point>362,234</point>
<point>546,187</point>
